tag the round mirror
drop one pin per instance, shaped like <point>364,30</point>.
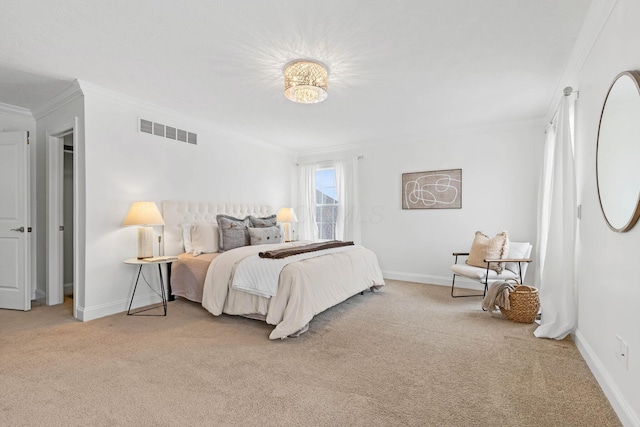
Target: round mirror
<point>618,153</point>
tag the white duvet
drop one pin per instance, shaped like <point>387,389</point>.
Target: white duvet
<point>260,276</point>
<point>305,288</point>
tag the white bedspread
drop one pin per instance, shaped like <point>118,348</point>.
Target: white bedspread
<point>260,276</point>
<point>305,288</point>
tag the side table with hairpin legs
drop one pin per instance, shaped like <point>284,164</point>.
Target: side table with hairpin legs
<point>159,261</point>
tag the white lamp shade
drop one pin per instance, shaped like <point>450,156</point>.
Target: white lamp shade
<point>143,213</point>
<point>286,215</point>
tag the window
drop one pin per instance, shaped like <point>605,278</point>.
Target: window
<point>326,203</point>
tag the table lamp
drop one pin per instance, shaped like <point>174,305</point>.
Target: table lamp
<point>144,214</point>
<point>286,216</point>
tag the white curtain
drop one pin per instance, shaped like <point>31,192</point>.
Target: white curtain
<point>306,209</point>
<point>348,221</point>
<point>556,271</point>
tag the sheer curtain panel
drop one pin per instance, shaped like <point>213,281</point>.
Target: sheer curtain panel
<point>306,210</point>
<point>556,272</point>
<point>348,221</point>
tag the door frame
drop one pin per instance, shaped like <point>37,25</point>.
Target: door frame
<point>54,241</point>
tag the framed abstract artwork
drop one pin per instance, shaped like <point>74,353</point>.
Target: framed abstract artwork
<point>432,190</point>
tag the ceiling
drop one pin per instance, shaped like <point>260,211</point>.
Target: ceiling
<point>398,69</point>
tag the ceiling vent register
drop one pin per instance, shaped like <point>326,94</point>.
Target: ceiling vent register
<point>152,128</point>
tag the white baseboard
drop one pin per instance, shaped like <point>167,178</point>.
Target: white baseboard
<point>68,289</point>
<point>90,313</point>
<point>40,294</point>
<point>432,280</point>
<point>624,411</point>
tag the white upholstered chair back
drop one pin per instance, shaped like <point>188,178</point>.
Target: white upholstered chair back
<point>512,270</point>
<point>519,250</point>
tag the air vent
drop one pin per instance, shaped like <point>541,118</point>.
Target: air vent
<point>158,129</point>
<point>146,126</point>
<point>170,132</point>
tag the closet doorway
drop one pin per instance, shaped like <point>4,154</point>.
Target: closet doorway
<point>61,217</point>
<point>67,215</point>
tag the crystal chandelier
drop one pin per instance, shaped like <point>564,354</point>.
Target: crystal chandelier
<point>305,82</point>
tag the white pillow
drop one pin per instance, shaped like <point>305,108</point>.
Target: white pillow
<point>205,238</point>
<point>186,237</point>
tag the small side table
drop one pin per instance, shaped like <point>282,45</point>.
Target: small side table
<point>141,263</point>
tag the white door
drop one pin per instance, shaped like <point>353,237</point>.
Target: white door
<point>15,285</point>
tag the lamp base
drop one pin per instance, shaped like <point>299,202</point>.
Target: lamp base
<point>145,242</point>
<point>287,232</point>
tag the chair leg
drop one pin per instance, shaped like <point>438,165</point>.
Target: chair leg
<point>453,283</point>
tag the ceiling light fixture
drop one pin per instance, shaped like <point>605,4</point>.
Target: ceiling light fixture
<point>305,82</point>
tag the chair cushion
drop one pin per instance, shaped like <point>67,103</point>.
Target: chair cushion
<point>478,273</point>
<point>483,247</point>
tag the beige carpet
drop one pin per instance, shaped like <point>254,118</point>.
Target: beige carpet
<point>409,355</point>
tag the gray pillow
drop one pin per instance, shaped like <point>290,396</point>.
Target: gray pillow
<point>267,221</point>
<point>234,232</point>
<point>260,236</point>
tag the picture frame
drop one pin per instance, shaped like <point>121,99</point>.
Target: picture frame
<point>440,189</point>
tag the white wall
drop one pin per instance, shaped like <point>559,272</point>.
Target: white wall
<point>123,166</point>
<point>17,119</point>
<point>609,288</point>
<point>500,173</point>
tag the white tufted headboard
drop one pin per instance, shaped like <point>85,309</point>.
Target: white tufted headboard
<point>176,213</point>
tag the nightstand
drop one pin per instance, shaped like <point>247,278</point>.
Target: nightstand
<point>141,263</point>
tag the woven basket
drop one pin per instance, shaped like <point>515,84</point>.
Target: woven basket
<point>524,302</point>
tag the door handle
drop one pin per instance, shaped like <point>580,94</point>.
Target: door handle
<point>21,229</point>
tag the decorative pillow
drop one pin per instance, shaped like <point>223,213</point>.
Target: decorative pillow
<point>204,237</point>
<point>234,232</point>
<point>267,221</point>
<point>483,247</point>
<point>186,237</point>
<point>260,236</point>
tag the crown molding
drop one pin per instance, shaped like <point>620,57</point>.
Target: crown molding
<point>13,110</point>
<point>174,116</point>
<point>597,16</point>
<point>69,94</point>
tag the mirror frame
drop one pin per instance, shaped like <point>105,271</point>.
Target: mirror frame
<point>635,77</point>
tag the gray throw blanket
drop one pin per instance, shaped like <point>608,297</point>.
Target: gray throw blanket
<point>312,247</point>
<point>498,295</point>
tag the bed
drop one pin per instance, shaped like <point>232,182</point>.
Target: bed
<point>304,287</point>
